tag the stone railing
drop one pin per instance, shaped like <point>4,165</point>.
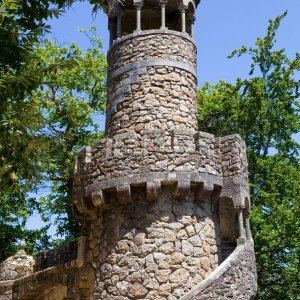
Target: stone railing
<point>234,279</point>
<point>59,267</point>
<point>59,255</point>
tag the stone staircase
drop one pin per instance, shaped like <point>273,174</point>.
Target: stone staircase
<point>234,279</point>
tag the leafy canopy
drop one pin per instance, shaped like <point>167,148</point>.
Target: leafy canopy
<point>62,107</point>
<point>70,99</point>
<point>23,124</point>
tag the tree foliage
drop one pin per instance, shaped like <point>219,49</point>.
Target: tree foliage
<point>264,110</point>
<point>22,26</point>
<point>23,120</point>
<point>70,99</point>
<point>69,96</point>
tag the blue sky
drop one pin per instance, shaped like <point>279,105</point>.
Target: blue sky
<point>221,26</point>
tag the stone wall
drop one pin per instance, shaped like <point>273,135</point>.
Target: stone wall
<point>233,156</point>
<point>58,292</point>
<point>69,280</point>
<point>151,98</point>
<point>157,250</point>
<point>152,44</point>
<point>6,290</point>
<point>132,153</point>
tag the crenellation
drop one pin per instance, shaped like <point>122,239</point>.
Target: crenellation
<point>147,151</point>
<point>153,140</point>
<point>233,156</point>
<point>60,255</point>
<point>183,140</point>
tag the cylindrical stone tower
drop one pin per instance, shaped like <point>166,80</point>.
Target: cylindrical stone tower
<point>153,85</point>
<point>165,207</point>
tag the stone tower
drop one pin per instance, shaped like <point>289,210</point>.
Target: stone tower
<point>165,206</point>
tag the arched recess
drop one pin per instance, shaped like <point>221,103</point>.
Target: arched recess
<point>190,19</point>
<point>229,230</point>
<point>173,18</point>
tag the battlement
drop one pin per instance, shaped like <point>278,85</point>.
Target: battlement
<point>152,158</point>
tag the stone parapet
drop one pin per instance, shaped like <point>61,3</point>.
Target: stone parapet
<point>233,155</point>
<point>156,44</point>
<point>59,255</point>
<point>65,280</point>
<point>152,151</point>
<point>188,160</point>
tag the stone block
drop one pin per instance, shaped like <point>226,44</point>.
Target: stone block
<point>183,140</point>
<point>153,140</point>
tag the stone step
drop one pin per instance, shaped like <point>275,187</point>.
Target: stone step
<point>227,247</point>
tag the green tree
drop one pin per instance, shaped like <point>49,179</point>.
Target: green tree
<point>264,110</point>
<point>70,99</point>
<point>22,121</point>
<point>70,94</point>
<point>21,25</point>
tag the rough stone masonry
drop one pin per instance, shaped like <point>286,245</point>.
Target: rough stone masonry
<point>165,207</point>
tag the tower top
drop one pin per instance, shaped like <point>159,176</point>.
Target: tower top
<point>127,17</point>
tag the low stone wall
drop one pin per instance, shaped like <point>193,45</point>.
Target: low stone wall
<point>234,279</point>
<point>40,283</point>
<point>71,279</point>
<point>59,255</point>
